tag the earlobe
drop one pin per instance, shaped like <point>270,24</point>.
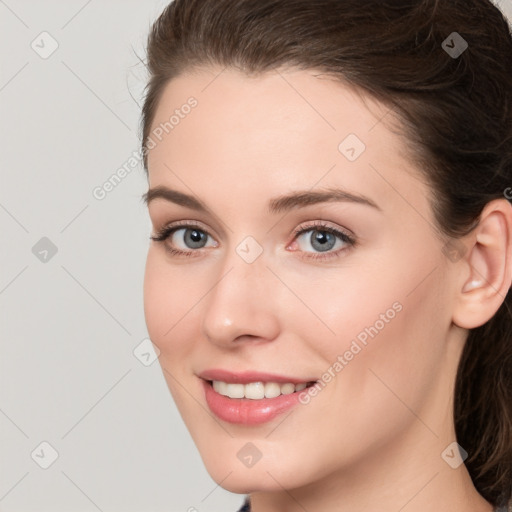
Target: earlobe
<point>487,275</point>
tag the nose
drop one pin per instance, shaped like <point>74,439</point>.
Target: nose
<point>241,305</point>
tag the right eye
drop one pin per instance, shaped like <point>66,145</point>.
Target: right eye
<point>183,239</point>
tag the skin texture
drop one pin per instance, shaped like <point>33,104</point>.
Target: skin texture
<point>372,439</point>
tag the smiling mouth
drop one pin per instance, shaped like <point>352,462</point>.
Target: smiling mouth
<point>257,390</point>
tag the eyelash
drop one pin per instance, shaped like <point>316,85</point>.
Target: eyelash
<point>167,231</point>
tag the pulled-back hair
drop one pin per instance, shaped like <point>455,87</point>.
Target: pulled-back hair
<point>456,111</point>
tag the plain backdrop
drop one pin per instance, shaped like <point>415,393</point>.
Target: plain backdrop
<point>86,420</point>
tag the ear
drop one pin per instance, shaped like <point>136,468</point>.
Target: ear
<point>486,273</point>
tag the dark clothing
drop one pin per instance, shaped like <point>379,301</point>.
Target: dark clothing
<point>246,507</point>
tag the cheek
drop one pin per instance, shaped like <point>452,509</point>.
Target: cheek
<point>173,297</point>
<point>375,338</point>
<point>167,302</point>
<point>398,356</point>
<point>156,300</point>
<point>338,306</point>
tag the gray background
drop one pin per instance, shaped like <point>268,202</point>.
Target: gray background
<point>71,321</point>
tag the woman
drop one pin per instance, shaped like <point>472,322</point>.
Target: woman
<point>328,282</point>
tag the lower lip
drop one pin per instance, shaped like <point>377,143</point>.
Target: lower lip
<point>245,411</point>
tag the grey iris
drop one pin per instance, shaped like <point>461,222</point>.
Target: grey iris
<point>322,240</point>
<point>194,239</point>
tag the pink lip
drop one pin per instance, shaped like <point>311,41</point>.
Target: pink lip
<point>249,376</point>
<point>245,411</point>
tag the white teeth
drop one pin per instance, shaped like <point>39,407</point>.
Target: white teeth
<point>272,389</point>
<point>220,387</point>
<point>256,390</point>
<point>234,390</point>
<point>287,388</point>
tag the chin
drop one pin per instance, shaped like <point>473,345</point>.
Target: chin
<point>245,482</point>
<point>262,476</point>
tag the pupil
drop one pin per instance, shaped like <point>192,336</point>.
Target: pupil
<point>322,240</point>
<point>194,238</point>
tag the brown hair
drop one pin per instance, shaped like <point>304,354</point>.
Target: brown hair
<point>457,111</point>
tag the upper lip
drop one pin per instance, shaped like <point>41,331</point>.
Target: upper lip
<point>249,376</point>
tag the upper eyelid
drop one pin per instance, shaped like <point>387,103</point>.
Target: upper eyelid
<point>321,224</point>
<point>183,224</point>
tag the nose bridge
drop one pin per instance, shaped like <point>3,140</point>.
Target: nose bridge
<point>239,302</point>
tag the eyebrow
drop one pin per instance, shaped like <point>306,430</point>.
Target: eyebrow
<point>279,204</point>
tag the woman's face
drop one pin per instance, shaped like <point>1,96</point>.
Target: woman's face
<point>359,301</point>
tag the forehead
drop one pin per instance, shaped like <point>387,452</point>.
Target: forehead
<point>273,132</point>
<point>288,104</point>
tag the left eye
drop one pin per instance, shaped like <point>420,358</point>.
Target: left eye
<point>192,238</point>
<point>322,240</point>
